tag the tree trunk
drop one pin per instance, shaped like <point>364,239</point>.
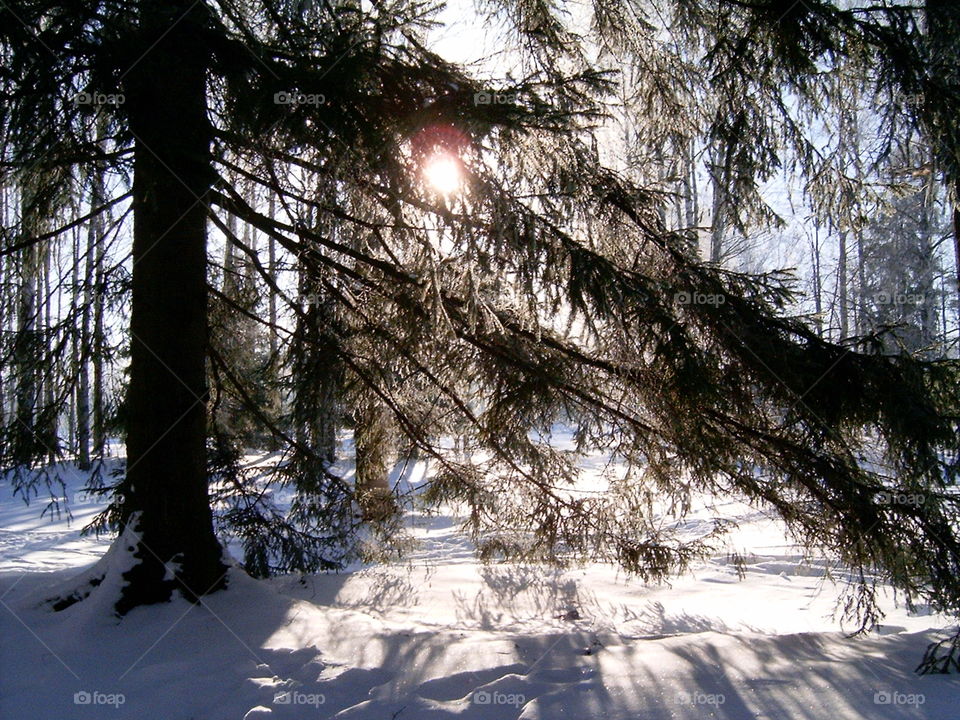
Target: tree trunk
<point>373,446</point>
<point>842,287</point>
<point>97,351</point>
<point>51,414</point>
<point>76,353</point>
<point>94,237</point>
<point>26,341</point>
<point>250,239</point>
<point>927,261</point>
<point>720,176</point>
<point>5,304</point>
<point>956,246</point>
<point>817,282</point>
<point>862,320</point>
<point>940,104</point>
<point>229,286</point>
<point>272,271</point>
<point>166,483</point>
<point>691,211</point>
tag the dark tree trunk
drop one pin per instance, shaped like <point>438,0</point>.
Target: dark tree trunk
<point>97,351</point>
<point>5,304</point>
<point>94,233</point>
<point>26,341</point>
<point>956,248</point>
<point>166,482</point>
<point>51,424</point>
<point>842,287</point>
<point>73,430</point>
<point>272,270</point>
<point>940,104</point>
<point>817,281</point>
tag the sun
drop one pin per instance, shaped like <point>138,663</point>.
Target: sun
<point>443,173</point>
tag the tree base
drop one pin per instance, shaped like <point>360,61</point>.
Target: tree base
<point>127,576</point>
<point>150,581</point>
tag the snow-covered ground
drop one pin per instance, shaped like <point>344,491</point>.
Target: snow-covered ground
<point>442,636</point>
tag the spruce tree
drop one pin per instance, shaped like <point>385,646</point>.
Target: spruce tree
<point>545,288</point>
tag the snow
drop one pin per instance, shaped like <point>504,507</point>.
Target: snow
<point>442,636</point>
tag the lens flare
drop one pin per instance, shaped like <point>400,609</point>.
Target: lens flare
<point>442,172</point>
